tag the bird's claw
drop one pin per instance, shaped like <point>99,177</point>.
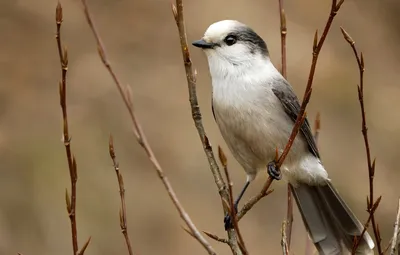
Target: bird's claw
<point>228,223</point>
<point>274,171</point>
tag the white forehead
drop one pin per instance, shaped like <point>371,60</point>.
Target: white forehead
<point>218,30</point>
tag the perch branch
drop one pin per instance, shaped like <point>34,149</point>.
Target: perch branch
<point>317,46</point>
<point>122,211</point>
<point>141,138</point>
<point>370,163</point>
<point>177,11</point>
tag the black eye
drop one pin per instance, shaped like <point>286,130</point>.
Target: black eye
<point>230,40</point>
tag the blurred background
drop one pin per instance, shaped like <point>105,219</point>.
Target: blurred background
<point>143,46</point>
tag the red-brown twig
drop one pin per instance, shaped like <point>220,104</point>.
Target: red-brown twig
<point>289,214</point>
<point>122,211</point>
<point>356,242</point>
<point>70,200</point>
<point>395,231</point>
<point>231,209</point>
<point>141,138</point>
<point>177,11</point>
<point>370,163</point>
<point>317,46</point>
<point>265,191</point>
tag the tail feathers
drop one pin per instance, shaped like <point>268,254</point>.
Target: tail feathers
<point>329,221</point>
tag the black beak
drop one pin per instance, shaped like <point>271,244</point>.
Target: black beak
<point>203,44</point>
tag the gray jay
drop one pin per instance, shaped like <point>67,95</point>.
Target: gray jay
<point>255,109</point>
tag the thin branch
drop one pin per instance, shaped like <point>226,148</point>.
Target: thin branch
<point>216,238</point>
<point>370,163</point>
<point>265,191</point>
<point>318,43</point>
<point>85,245</point>
<point>142,140</point>
<point>395,231</point>
<point>317,46</point>
<point>232,211</point>
<point>177,11</point>
<point>356,242</point>
<point>72,166</point>
<point>122,211</point>
<point>289,213</point>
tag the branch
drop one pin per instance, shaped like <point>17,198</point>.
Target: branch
<point>395,231</point>
<point>265,191</point>
<point>370,163</point>
<point>142,140</point>
<point>122,212</point>
<point>177,11</point>
<point>317,46</point>
<point>216,238</point>
<point>70,200</point>
<point>287,234</point>
<point>356,242</point>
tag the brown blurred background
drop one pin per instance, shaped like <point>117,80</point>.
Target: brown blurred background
<point>142,42</point>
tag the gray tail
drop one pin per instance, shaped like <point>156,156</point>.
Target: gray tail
<point>329,221</point>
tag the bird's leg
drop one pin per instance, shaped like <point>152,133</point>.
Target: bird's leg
<point>274,171</point>
<point>227,220</point>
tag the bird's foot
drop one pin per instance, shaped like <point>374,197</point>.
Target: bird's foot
<point>228,222</point>
<point>274,171</point>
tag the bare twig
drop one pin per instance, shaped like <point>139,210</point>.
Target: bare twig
<point>83,249</point>
<point>395,231</point>
<point>232,211</point>
<point>216,238</point>
<point>317,46</point>
<point>122,211</point>
<point>356,242</point>
<point>370,163</point>
<point>265,191</point>
<point>289,213</point>
<point>177,11</point>
<point>142,140</point>
<point>70,200</point>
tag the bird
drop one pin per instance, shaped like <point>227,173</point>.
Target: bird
<point>255,109</point>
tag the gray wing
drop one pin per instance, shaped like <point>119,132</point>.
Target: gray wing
<point>291,105</point>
